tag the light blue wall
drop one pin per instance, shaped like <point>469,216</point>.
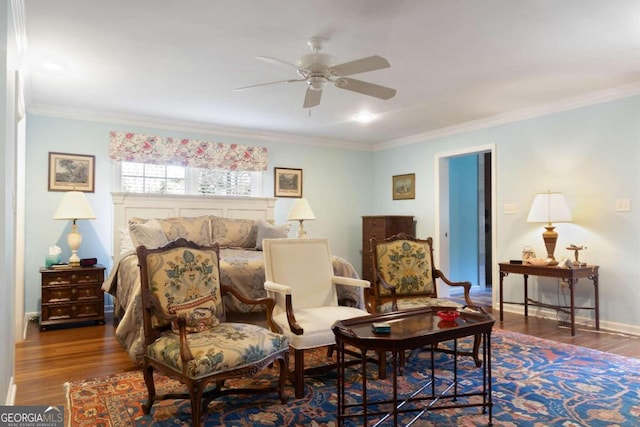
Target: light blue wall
<point>335,181</point>
<point>463,219</point>
<point>591,154</point>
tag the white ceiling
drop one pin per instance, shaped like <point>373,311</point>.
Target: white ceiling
<point>453,62</point>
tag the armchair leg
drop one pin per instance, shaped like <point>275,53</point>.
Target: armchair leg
<point>195,391</point>
<point>284,371</point>
<point>147,372</point>
<point>298,377</point>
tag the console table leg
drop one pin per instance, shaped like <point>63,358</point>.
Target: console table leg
<point>573,306</point>
<point>597,301</point>
<point>526,295</point>
<point>501,299</point>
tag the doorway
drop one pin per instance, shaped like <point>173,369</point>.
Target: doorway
<point>465,188</point>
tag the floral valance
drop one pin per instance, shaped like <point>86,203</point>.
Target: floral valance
<point>135,147</point>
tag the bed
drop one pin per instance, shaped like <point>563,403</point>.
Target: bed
<point>237,223</point>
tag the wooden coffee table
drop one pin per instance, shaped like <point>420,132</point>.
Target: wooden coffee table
<point>411,329</point>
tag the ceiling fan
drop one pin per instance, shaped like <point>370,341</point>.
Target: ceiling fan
<point>316,70</point>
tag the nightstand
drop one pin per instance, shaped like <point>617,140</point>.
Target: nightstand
<point>72,295</point>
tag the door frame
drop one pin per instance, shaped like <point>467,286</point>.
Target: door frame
<point>441,199</point>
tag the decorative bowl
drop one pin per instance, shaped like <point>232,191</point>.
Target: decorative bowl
<point>449,315</point>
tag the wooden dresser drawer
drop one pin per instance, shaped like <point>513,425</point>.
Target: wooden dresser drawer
<point>72,295</point>
<point>72,277</point>
<point>77,311</point>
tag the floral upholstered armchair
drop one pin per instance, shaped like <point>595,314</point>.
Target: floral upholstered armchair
<point>186,334</point>
<point>404,277</point>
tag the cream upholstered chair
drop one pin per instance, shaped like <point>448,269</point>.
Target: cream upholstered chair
<point>299,274</point>
<point>404,277</point>
<point>186,335</point>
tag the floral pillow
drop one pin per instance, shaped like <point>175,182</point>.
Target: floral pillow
<point>147,233</point>
<point>267,230</point>
<point>234,233</point>
<point>195,229</point>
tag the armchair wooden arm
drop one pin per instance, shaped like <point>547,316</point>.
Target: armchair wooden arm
<point>267,302</point>
<point>466,285</point>
<point>291,318</point>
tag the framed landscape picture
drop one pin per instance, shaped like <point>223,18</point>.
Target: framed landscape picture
<point>404,186</point>
<point>287,182</point>
<point>68,172</point>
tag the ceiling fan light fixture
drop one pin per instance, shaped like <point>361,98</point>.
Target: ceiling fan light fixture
<point>364,117</point>
<point>317,82</point>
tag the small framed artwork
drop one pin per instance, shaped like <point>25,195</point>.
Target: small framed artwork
<point>404,186</point>
<point>68,172</point>
<point>287,182</point>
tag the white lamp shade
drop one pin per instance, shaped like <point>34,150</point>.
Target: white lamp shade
<point>301,211</point>
<point>74,205</point>
<point>549,207</point>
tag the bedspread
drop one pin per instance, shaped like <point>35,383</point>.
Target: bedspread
<point>239,268</point>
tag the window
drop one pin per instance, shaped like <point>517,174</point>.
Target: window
<point>167,179</point>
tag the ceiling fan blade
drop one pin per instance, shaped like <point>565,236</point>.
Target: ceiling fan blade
<point>365,88</point>
<point>270,83</point>
<point>362,65</point>
<point>277,61</point>
<point>312,98</point>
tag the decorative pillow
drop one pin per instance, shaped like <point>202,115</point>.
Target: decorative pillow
<point>147,233</point>
<point>195,229</point>
<point>234,233</point>
<point>126,244</point>
<point>268,231</point>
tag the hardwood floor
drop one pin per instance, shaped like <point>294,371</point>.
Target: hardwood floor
<point>46,360</point>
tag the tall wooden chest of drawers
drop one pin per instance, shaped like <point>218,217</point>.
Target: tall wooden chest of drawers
<point>72,295</point>
<point>381,227</point>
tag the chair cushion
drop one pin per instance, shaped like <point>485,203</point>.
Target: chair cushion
<point>416,302</point>
<point>316,323</point>
<point>222,348</point>
<point>186,281</point>
<point>407,266</point>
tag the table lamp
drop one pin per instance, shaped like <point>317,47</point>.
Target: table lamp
<point>549,207</point>
<point>299,212</point>
<point>74,206</point>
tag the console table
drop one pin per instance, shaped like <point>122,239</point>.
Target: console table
<point>570,276</point>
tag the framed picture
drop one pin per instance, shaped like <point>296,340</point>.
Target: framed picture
<point>287,182</point>
<point>404,186</point>
<point>69,172</point>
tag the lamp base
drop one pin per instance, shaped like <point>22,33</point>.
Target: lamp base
<point>301,233</point>
<point>550,237</point>
<point>74,239</point>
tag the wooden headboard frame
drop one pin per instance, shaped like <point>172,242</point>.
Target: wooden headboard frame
<point>129,205</point>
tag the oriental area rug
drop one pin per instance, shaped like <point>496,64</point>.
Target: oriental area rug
<point>536,383</point>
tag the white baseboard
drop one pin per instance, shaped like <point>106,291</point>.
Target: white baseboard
<point>545,313</point>
<point>11,393</point>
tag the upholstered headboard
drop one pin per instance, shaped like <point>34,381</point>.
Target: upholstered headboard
<point>130,205</point>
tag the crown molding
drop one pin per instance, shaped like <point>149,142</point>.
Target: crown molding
<point>593,98</point>
<point>185,126</point>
